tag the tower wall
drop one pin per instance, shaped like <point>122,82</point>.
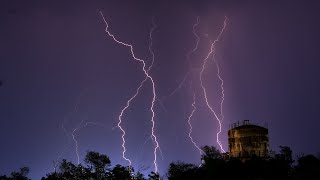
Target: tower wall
<point>247,140</point>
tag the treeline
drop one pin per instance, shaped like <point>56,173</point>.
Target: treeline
<point>214,166</point>
<point>279,166</point>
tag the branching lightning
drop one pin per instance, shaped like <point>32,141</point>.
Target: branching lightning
<point>146,70</point>
<point>76,141</point>
<point>190,125</point>
<point>212,51</point>
<point>194,95</point>
<point>56,162</point>
<point>81,125</point>
<point>154,137</point>
<point>154,26</point>
<point>148,76</point>
<point>74,110</point>
<point>188,56</point>
<point>142,148</point>
<point>197,39</point>
<point>70,135</point>
<point>222,89</point>
<point>120,121</point>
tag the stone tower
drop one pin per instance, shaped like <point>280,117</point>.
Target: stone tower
<point>246,140</point>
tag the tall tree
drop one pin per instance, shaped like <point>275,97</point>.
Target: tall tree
<point>180,170</point>
<point>98,163</point>
<point>121,173</point>
<point>308,167</point>
<point>214,165</point>
<point>21,175</point>
<point>154,176</point>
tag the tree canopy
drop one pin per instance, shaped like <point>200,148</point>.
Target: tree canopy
<point>214,165</point>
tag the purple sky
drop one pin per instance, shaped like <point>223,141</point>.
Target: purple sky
<point>55,55</point>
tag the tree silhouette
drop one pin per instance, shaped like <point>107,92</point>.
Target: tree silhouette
<point>214,166</point>
<point>154,176</point>
<point>120,172</point>
<point>21,175</point>
<point>97,164</point>
<point>210,153</point>
<point>280,166</point>
<point>182,170</point>
<point>308,167</point>
<point>139,176</point>
<point>97,167</point>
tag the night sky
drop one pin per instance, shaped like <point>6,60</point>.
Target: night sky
<point>58,66</point>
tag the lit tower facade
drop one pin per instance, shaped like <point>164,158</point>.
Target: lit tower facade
<point>246,140</point>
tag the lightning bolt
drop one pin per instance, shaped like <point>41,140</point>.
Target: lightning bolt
<point>55,163</point>
<point>73,134</point>
<point>154,26</point>
<point>194,95</point>
<point>120,121</point>
<point>142,148</point>
<point>222,89</point>
<point>197,39</point>
<point>76,141</point>
<point>66,119</point>
<point>154,137</point>
<point>74,110</point>
<point>212,51</point>
<point>148,76</point>
<point>190,125</point>
<point>189,54</point>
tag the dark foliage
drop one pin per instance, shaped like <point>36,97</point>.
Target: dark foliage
<point>218,166</point>
<point>97,167</point>
<point>308,168</point>
<point>21,175</point>
<point>214,166</point>
<point>154,176</point>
